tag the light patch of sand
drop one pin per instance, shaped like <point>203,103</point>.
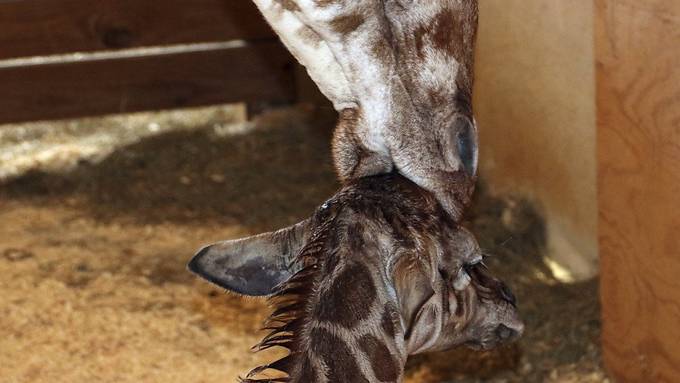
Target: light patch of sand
<point>60,145</point>
<point>66,317</point>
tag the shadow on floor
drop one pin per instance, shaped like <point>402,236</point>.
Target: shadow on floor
<point>263,179</point>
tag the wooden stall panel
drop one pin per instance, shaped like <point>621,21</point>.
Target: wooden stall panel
<point>638,86</point>
<point>258,72</point>
<point>47,27</point>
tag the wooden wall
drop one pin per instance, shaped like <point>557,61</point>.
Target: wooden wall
<point>638,100</point>
<point>189,61</point>
<point>535,106</point>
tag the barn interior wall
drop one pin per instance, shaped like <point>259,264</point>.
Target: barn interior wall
<point>534,102</point>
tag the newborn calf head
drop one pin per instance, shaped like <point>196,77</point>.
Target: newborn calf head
<point>379,272</point>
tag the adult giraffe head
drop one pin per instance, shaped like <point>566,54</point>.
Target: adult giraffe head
<point>400,74</point>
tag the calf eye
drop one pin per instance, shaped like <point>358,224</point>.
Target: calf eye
<point>474,262</point>
<point>462,279</point>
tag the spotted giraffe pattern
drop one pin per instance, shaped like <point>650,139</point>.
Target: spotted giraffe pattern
<point>400,74</point>
<point>382,270</point>
<point>385,273</point>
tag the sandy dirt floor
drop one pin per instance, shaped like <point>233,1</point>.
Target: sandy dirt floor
<point>98,218</point>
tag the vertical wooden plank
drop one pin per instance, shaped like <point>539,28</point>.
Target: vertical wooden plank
<point>638,100</point>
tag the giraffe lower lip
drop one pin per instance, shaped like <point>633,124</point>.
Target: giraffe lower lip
<point>483,345</point>
<point>474,345</point>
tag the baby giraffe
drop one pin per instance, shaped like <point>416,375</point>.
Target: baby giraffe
<point>379,272</point>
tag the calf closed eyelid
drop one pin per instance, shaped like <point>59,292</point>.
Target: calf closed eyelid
<point>462,279</point>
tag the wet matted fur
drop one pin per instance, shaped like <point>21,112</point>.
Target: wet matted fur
<point>379,272</point>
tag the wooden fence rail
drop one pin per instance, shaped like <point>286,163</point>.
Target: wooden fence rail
<point>135,55</point>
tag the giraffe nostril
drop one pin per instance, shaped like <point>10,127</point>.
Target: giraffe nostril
<point>507,295</point>
<point>504,333</point>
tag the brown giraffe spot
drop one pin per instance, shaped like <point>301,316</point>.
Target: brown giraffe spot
<point>347,23</point>
<point>437,97</point>
<point>448,34</point>
<point>289,5</point>
<point>383,364</point>
<point>349,299</point>
<point>326,3</point>
<point>382,51</point>
<point>451,31</point>
<point>419,35</point>
<point>341,366</point>
<point>454,34</point>
<point>309,36</point>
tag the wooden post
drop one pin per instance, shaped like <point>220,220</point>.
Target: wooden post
<point>638,100</point>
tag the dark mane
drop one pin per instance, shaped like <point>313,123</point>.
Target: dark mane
<point>289,301</point>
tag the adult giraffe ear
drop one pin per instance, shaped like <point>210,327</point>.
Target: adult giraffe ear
<point>254,265</point>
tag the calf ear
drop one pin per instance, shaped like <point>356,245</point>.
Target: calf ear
<point>254,265</point>
<point>419,304</point>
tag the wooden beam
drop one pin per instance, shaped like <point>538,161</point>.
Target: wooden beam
<point>263,71</point>
<point>638,100</point>
<point>47,27</point>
